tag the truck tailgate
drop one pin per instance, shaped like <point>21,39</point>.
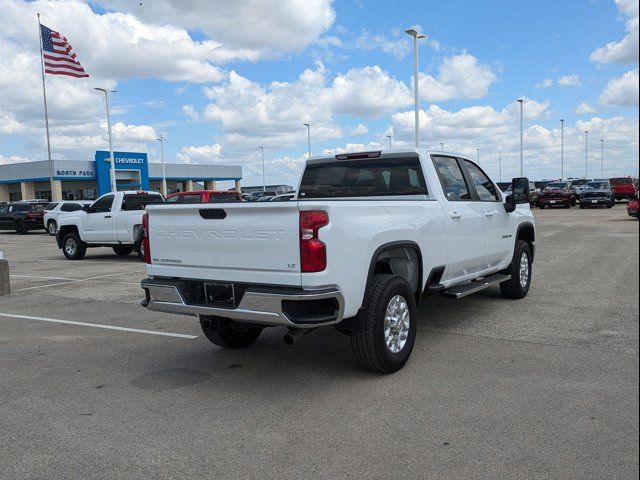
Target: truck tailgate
<point>235,242</point>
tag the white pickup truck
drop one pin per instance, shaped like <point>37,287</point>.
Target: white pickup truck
<point>368,236</point>
<point>113,220</point>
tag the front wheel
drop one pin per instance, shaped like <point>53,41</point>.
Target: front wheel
<point>520,270</point>
<point>383,337</point>
<point>123,250</point>
<point>227,333</point>
<point>72,247</point>
<point>52,227</point>
<point>567,205</point>
<point>541,205</point>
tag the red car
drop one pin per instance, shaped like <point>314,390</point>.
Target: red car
<point>557,194</point>
<point>204,196</point>
<point>624,188</point>
<point>632,207</point>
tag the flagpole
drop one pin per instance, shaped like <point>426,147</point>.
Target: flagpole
<point>46,113</point>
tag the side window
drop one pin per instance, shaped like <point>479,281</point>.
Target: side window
<point>103,204</point>
<point>175,199</point>
<point>194,198</point>
<point>4,209</point>
<point>451,178</point>
<point>70,207</point>
<point>51,206</point>
<point>485,187</point>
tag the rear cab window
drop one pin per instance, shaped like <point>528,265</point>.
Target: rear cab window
<point>369,177</point>
<point>138,201</point>
<point>224,197</point>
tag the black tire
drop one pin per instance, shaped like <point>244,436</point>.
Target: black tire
<point>582,206</point>
<point>567,205</point>
<point>227,333</point>
<point>541,205</point>
<point>52,227</point>
<point>123,250</point>
<point>139,248</point>
<point>609,205</point>
<point>21,228</point>
<point>573,202</point>
<point>72,247</point>
<point>368,337</point>
<point>514,288</point>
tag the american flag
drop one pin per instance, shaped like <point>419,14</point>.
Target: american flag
<point>58,55</point>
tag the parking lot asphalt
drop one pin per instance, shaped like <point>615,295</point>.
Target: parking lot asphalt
<point>545,387</point>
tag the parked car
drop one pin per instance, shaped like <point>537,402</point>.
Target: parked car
<point>597,193</point>
<point>55,209</point>
<point>625,188</point>
<point>503,186</point>
<point>113,220</point>
<point>557,194</point>
<point>330,258</point>
<point>578,184</point>
<point>632,207</point>
<point>22,216</point>
<point>542,183</point>
<point>204,196</point>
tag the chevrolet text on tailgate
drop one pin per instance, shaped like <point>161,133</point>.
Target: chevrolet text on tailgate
<point>368,236</point>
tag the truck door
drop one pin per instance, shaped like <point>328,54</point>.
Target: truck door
<point>97,224</point>
<point>465,220</point>
<point>498,225</point>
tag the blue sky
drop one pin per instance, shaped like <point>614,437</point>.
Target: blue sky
<point>218,80</point>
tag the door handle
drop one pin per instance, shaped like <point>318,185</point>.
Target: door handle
<point>107,216</point>
<point>455,215</point>
<point>490,213</point>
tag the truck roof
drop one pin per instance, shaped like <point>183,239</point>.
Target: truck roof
<point>384,152</point>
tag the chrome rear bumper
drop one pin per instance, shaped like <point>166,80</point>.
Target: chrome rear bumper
<point>256,306</point>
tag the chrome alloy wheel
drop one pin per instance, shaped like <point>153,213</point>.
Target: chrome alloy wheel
<point>396,324</point>
<point>70,247</point>
<point>52,228</point>
<point>524,270</point>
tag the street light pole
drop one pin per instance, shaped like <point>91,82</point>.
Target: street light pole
<point>389,137</point>
<point>602,158</point>
<point>416,36</point>
<point>264,184</point>
<point>586,154</point>
<point>112,171</point>
<point>500,163</point>
<point>164,173</point>
<point>308,137</point>
<point>478,155</point>
<point>441,145</point>
<point>521,101</point>
<point>561,148</point>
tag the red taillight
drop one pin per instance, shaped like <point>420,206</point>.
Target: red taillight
<point>145,238</point>
<point>313,252</point>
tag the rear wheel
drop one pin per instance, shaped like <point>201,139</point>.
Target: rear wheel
<point>52,227</point>
<point>520,270</point>
<point>123,250</point>
<point>21,228</point>
<point>541,205</point>
<point>582,205</point>
<point>227,333</point>
<point>139,248</point>
<point>383,337</point>
<point>72,247</point>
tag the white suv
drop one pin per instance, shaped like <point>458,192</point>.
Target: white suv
<point>55,209</point>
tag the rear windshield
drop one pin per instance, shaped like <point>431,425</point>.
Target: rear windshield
<point>224,197</point>
<point>363,178</point>
<point>138,201</point>
<point>621,181</point>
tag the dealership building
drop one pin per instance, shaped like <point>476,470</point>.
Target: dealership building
<point>88,179</point>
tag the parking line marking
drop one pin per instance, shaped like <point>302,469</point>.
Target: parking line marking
<point>68,281</point>
<point>42,278</point>
<point>98,325</point>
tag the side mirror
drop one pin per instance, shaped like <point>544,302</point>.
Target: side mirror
<point>520,194</point>
<point>520,190</point>
<point>86,207</point>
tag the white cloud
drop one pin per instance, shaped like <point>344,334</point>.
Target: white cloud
<point>621,91</point>
<point>398,47</point>
<point>625,50</point>
<point>546,83</point>
<point>12,159</point>
<point>459,76</point>
<point>360,129</point>
<point>202,154</point>
<point>284,25</point>
<point>569,81</point>
<point>584,108</point>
